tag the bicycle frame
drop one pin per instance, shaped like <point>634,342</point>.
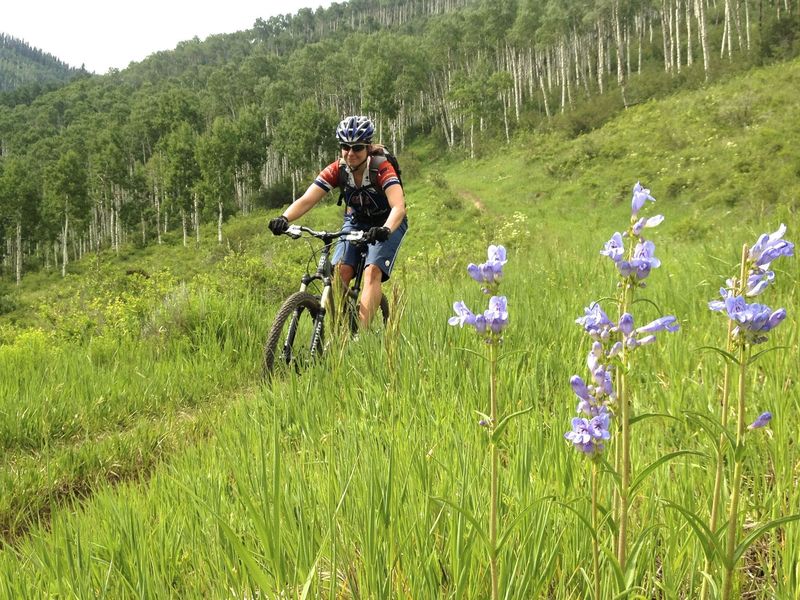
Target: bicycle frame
<point>324,272</point>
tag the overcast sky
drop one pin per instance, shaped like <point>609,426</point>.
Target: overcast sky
<point>103,34</point>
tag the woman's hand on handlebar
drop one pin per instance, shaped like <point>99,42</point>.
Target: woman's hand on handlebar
<point>278,225</point>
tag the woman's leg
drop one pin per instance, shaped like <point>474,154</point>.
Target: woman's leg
<point>346,273</point>
<point>370,295</point>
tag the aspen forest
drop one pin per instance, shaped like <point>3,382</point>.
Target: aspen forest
<point>219,126</point>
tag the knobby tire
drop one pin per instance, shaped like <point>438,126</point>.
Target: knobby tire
<point>297,317</point>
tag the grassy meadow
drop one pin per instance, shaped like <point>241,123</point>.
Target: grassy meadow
<point>143,457</point>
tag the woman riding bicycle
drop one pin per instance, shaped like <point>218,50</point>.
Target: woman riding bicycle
<point>375,207</point>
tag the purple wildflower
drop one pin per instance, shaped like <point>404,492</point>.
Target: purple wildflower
<point>626,324</point>
<point>463,315</point>
<point>640,196</point>
<point>718,305</point>
<point>758,281</point>
<point>580,388</point>
<point>497,314</point>
<point>490,272</point>
<point>668,323</point>
<point>753,321</point>
<point>768,247</point>
<point>614,248</point>
<point>643,223</point>
<point>595,321</point>
<point>587,435</point>
<point>762,420</point>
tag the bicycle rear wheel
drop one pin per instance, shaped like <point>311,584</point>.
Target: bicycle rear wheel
<point>296,336</point>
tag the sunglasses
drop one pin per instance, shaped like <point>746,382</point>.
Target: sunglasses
<point>354,148</point>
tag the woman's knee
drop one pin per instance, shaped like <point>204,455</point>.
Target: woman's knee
<point>346,273</point>
<point>373,275</point>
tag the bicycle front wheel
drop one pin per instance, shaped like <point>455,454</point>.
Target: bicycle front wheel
<point>296,336</point>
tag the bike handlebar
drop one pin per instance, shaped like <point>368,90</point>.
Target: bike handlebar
<point>296,232</point>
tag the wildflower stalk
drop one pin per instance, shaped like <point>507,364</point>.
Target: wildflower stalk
<point>600,401</point>
<point>489,326</point>
<point>716,499</point>
<point>751,324</point>
<point>495,468</point>
<point>733,512</point>
<point>625,474</point>
<point>596,527</point>
<point>624,468</point>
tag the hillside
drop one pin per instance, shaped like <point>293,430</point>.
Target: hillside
<point>22,66</point>
<point>217,128</point>
<point>720,155</point>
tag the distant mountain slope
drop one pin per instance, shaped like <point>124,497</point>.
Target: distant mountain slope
<point>22,65</point>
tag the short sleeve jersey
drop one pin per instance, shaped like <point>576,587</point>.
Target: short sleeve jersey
<point>368,200</point>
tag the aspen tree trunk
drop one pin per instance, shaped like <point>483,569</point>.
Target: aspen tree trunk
<point>64,255</point>
<point>747,23</point>
<point>700,13</point>
<point>561,78</point>
<point>120,234</point>
<point>18,253</point>
<point>737,21</point>
<point>600,58</point>
<point>184,225</point>
<point>689,58</point>
<point>93,230</point>
<point>144,230</point>
<point>575,58</point>
<point>726,32</point>
<point>196,217</point>
<point>158,216</point>
<point>618,41</point>
<point>678,35</point>
<point>112,230</point>
<point>219,222</point>
<point>472,137</point>
<point>504,100</point>
<point>544,96</point>
<point>666,36</point>
<point>626,36</point>
<point>640,27</point>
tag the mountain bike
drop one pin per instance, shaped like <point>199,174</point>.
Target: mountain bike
<point>297,335</point>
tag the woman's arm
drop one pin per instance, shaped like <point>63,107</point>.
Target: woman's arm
<point>306,202</point>
<point>397,203</point>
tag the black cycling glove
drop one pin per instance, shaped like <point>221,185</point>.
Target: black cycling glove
<point>278,225</point>
<point>377,234</point>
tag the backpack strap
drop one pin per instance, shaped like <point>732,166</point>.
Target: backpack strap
<point>342,182</point>
<point>376,160</point>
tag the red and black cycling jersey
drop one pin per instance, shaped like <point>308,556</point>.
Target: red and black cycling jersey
<point>368,201</point>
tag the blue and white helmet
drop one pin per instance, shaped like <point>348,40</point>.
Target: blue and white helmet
<point>355,129</point>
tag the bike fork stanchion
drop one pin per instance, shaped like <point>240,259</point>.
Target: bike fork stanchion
<point>317,334</point>
<point>290,333</point>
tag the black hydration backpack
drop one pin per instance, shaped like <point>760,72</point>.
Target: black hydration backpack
<point>381,153</point>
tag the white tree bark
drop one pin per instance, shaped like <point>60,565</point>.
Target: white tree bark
<point>184,225</point>
<point>700,13</point>
<point>64,250</point>
<point>18,253</point>
<point>219,222</point>
<point>196,217</point>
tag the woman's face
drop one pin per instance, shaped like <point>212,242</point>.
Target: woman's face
<point>353,154</point>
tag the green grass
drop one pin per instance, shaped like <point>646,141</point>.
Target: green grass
<point>143,458</point>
